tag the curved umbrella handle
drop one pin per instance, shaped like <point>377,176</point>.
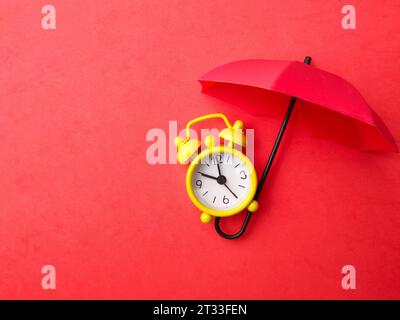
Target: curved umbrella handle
<point>237,234</point>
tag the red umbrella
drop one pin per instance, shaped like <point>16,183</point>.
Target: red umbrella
<point>330,105</point>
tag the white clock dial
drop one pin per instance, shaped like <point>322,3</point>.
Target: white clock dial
<point>221,182</point>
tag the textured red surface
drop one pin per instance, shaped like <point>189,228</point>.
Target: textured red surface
<point>76,190</point>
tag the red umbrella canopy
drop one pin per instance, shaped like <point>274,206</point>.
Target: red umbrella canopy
<point>329,105</point>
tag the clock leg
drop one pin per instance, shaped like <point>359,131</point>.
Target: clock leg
<point>253,206</point>
<point>205,217</point>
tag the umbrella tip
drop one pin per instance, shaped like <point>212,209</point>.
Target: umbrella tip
<point>307,60</point>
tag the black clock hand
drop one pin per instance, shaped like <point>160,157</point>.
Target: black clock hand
<point>219,169</point>
<point>230,191</point>
<point>208,176</point>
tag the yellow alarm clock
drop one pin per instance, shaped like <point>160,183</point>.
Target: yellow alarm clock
<point>221,181</point>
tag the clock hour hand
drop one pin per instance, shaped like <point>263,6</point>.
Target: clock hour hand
<point>208,176</point>
<point>230,191</point>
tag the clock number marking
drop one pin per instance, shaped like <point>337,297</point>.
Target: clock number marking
<point>225,200</point>
<point>218,159</point>
<point>237,165</point>
<point>241,186</point>
<point>210,159</point>
<point>214,199</point>
<point>205,193</point>
<point>199,183</point>
<point>243,175</point>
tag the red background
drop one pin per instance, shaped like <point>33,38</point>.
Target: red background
<point>76,190</point>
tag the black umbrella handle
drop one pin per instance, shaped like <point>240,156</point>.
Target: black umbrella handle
<point>271,158</point>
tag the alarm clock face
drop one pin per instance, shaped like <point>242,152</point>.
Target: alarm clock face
<point>222,181</point>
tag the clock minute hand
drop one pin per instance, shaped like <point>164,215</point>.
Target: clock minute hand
<point>230,191</point>
<point>208,176</point>
<point>219,169</point>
